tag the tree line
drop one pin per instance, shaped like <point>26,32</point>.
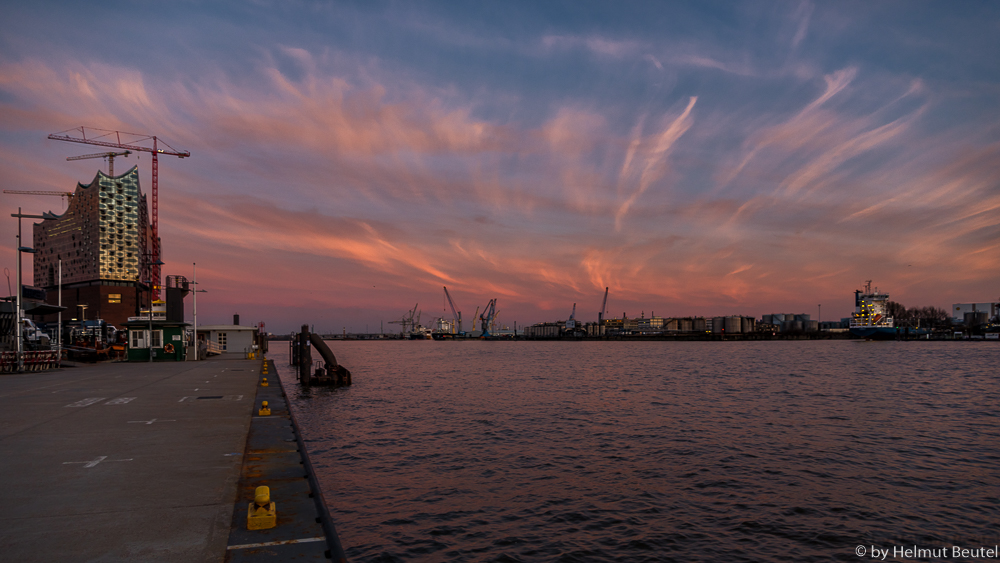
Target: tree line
<point>923,317</point>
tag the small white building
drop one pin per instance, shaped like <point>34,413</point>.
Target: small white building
<point>231,339</point>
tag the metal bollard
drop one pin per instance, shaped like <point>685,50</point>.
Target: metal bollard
<point>262,513</point>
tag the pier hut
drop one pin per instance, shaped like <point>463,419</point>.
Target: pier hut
<point>165,341</point>
<point>229,339</point>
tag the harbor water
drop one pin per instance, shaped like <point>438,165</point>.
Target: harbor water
<point>656,451</point>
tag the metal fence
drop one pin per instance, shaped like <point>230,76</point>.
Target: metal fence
<point>39,360</point>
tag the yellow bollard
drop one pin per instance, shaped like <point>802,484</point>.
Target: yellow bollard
<point>264,371</point>
<point>261,514</point>
<point>264,383</point>
<point>264,409</point>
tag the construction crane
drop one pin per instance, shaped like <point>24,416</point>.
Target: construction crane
<point>40,192</point>
<point>571,321</point>
<point>604,308</point>
<point>108,155</point>
<point>489,313</point>
<point>454,311</point>
<point>113,139</point>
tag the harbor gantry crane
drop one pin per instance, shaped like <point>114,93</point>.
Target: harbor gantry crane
<point>108,155</point>
<point>408,321</point>
<point>571,321</point>
<point>489,313</point>
<point>113,139</point>
<point>454,311</point>
<point>604,308</point>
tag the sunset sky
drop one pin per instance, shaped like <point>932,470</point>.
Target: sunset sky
<point>698,158</point>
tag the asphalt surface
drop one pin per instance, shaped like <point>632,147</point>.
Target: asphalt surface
<point>123,462</point>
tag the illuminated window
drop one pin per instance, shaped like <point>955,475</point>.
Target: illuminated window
<point>114,298</point>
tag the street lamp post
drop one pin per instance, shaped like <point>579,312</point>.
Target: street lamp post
<point>20,297</point>
<point>59,341</point>
<point>194,312</point>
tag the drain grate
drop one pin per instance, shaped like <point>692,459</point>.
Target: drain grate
<point>212,397</point>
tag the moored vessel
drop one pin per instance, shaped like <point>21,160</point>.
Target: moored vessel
<point>871,319</point>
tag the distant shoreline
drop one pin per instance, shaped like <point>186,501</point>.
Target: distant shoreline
<point>634,338</point>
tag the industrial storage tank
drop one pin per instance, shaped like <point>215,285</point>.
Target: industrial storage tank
<point>718,324</point>
<point>976,318</point>
<point>812,326</point>
<point>699,324</point>
<point>734,325</point>
<point>749,324</point>
<point>791,326</point>
<point>684,325</point>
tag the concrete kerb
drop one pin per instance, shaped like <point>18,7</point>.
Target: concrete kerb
<point>276,456</point>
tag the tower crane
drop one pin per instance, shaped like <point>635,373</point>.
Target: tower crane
<point>108,155</point>
<point>40,192</point>
<point>454,310</point>
<point>113,139</point>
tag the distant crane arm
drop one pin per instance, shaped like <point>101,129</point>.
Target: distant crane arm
<point>604,306</point>
<point>39,192</point>
<point>454,310</point>
<point>99,155</point>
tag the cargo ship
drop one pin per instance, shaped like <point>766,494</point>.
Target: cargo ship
<point>871,319</point>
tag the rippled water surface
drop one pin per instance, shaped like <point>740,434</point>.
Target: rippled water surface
<point>655,451</point>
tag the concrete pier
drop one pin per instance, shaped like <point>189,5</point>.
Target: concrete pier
<point>125,462</point>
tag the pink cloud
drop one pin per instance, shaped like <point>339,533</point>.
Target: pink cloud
<point>351,195</point>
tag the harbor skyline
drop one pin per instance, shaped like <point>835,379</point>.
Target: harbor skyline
<point>698,159</point>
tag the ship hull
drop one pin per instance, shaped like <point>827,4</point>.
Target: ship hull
<point>874,332</point>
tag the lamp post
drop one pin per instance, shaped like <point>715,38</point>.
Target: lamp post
<point>59,334</point>
<point>20,297</point>
<point>194,312</point>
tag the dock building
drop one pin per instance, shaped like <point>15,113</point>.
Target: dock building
<point>103,240</point>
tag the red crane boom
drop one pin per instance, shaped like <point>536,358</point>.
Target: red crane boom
<point>113,139</point>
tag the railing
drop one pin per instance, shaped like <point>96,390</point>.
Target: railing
<point>156,317</point>
<point>39,360</point>
<point>868,322</point>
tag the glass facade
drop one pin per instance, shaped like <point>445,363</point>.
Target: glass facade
<point>103,235</point>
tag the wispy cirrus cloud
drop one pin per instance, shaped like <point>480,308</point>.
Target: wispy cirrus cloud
<point>692,173</point>
<point>645,161</point>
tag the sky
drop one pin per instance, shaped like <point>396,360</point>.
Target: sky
<point>348,159</point>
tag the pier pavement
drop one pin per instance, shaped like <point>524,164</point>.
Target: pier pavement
<point>123,462</point>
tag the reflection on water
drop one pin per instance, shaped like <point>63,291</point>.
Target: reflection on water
<point>655,451</point>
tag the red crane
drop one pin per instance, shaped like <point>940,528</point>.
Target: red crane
<point>113,139</point>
